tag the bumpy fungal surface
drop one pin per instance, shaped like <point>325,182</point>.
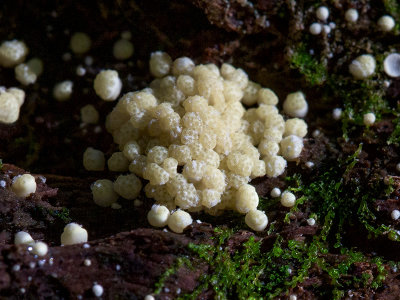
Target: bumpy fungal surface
<point>195,142</point>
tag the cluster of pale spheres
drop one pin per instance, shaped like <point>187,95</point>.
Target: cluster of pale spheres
<point>190,135</point>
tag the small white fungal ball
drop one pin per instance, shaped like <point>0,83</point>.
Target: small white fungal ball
<point>293,297</point>
<point>107,85</point>
<point>35,65</point>
<point>97,290</point>
<point>337,113</point>
<point>23,238</point>
<point>386,23</point>
<point>18,94</point>
<point>40,249</point>
<point>12,53</point>
<point>363,66</point>
<point>288,199</point>
<point>327,29</point>
<point>316,133</point>
<point>309,164</point>
<point>291,147</point>
<point>80,43</point>
<point>62,91</point>
<point>391,65</point>
<point>93,160</point>
<point>24,74</point>
<point>80,70</point>
<point>275,192</point>
<point>128,186</point>
<point>246,199</point>
<point>369,119</point>
<point>351,15</point>
<point>179,220</point>
<point>87,262</point>
<point>274,165</point>
<point>256,220</point>
<point>89,114</point>
<point>311,221</point>
<point>123,49</point>
<point>295,105</point>
<point>182,66</point>
<point>158,215</point>
<point>24,185</point>
<point>103,192</point>
<point>315,28</point>
<point>322,13</point>
<point>395,214</point>
<point>149,297</point>
<point>9,108</point>
<point>398,167</point>
<point>74,234</point>
<point>160,64</point>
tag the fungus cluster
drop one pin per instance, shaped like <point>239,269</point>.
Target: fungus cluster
<point>191,137</point>
<point>11,101</point>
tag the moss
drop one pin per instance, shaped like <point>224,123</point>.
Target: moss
<point>314,71</point>
<point>180,261</point>
<point>337,201</point>
<point>1,164</point>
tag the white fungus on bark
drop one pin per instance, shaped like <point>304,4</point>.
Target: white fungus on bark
<point>74,234</point>
<point>97,290</point>
<point>288,199</point>
<point>275,192</point>
<point>369,119</point>
<point>322,13</point>
<point>40,248</point>
<point>315,28</point>
<point>63,90</point>
<point>337,113</point>
<point>395,214</point>
<point>295,105</point>
<point>23,185</point>
<point>351,15</point>
<point>391,65</point>
<point>23,238</point>
<point>12,53</point>
<point>363,66</point>
<point>107,85</point>
<point>256,220</point>
<point>386,23</point>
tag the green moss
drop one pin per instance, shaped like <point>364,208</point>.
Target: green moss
<point>314,71</point>
<point>1,164</point>
<point>180,261</point>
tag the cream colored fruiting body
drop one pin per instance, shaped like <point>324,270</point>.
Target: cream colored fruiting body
<point>386,23</point>
<point>107,85</point>
<point>12,53</point>
<point>80,43</point>
<point>198,146</point>
<point>63,90</point>
<point>23,238</point>
<point>158,215</point>
<point>123,49</point>
<point>363,66</point>
<point>23,185</point>
<point>93,159</point>
<point>73,234</point>
<point>40,248</point>
<point>103,192</point>
<point>89,114</point>
<point>256,220</point>
<point>24,74</point>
